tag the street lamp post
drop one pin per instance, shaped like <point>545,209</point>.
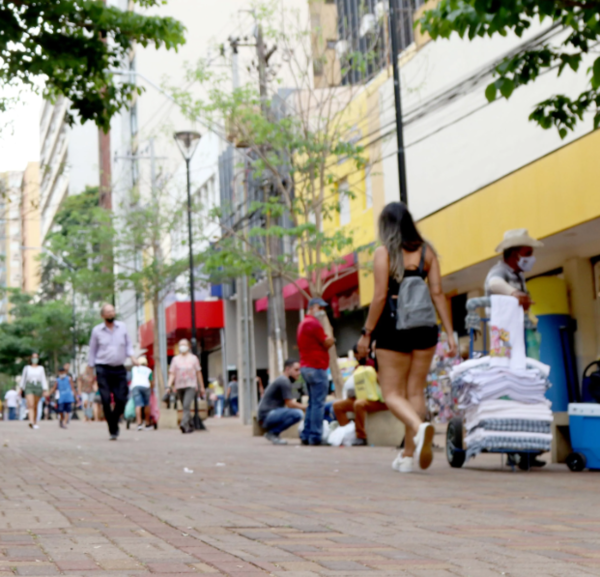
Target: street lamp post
<point>187,142</point>
<point>398,100</point>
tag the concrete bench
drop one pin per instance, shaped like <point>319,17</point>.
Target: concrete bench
<point>383,429</point>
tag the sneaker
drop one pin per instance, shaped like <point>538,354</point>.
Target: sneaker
<point>403,464</point>
<point>62,425</point>
<point>359,443</point>
<point>304,442</point>
<point>423,443</point>
<point>31,425</point>
<point>113,437</point>
<point>275,439</point>
<point>140,428</point>
<point>36,426</point>
<point>149,428</point>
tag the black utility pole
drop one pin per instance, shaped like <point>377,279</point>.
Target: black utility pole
<point>398,100</point>
<point>191,256</point>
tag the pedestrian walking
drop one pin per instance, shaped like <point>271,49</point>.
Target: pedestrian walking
<point>110,346</point>
<point>141,386</point>
<point>66,396</point>
<point>217,396</point>
<point>11,400</point>
<point>313,346</point>
<point>279,410</point>
<point>86,391</point>
<point>233,389</point>
<point>185,377</point>
<point>34,385</point>
<point>404,355</point>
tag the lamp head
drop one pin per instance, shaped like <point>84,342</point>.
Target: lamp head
<point>187,141</point>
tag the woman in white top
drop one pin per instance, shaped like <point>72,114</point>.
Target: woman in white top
<point>34,385</point>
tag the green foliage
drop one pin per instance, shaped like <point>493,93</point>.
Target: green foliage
<point>80,250</point>
<point>42,327</point>
<point>581,22</point>
<point>72,45</point>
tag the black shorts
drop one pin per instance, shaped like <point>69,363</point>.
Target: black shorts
<point>389,338</point>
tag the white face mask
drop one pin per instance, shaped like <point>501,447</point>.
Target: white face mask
<point>183,349</point>
<point>34,361</point>
<point>526,263</point>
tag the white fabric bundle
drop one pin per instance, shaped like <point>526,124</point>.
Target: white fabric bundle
<point>507,333</point>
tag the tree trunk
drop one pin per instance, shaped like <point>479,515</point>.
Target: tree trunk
<point>158,375</point>
<point>336,374</point>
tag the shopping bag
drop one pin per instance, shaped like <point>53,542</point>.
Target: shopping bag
<point>154,408</point>
<point>365,384</point>
<point>130,410</point>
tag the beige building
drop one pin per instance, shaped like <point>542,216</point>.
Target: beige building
<point>30,228</point>
<point>10,237</point>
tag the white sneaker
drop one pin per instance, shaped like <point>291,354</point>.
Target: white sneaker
<point>140,428</point>
<point>36,426</point>
<point>423,443</point>
<point>403,464</point>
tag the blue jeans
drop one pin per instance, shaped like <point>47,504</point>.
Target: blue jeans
<point>278,420</point>
<point>12,413</point>
<point>233,406</point>
<point>317,385</point>
<point>141,396</point>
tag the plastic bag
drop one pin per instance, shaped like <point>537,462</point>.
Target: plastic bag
<point>343,435</point>
<point>154,408</point>
<point>130,410</point>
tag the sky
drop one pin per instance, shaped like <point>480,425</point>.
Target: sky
<point>19,133</point>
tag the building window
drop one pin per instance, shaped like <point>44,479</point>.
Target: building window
<point>344,203</point>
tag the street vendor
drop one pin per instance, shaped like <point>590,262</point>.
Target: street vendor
<point>507,277</point>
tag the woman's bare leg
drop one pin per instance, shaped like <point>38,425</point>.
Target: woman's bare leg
<point>417,379</point>
<point>32,403</point>
<point>394,369</point>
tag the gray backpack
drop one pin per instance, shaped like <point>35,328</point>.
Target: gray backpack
<point>414,305</point>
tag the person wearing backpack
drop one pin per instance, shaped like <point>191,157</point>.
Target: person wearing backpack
<point>402,321</point>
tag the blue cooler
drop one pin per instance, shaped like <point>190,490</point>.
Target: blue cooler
<point>584,426</point>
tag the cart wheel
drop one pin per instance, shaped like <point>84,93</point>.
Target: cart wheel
<point>454,444</point>
<point>524,461</point>
<point>576,462</point>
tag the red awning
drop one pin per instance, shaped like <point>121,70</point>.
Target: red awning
<point>209,318</point>
<point>293,298</point>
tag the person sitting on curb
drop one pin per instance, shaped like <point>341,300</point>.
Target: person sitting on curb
<point>360,407</point>
<point>278,410</point>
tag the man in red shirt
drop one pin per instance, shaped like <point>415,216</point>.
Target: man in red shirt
<point>313,346</point>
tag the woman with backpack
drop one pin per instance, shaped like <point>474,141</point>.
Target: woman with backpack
<point>403,324</point>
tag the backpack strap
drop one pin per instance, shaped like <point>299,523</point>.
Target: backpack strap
<point>421,268</point>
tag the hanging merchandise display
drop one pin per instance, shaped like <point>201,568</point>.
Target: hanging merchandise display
<point>441,405</point>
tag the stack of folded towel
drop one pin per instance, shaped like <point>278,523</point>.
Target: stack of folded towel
<point>504,399</point>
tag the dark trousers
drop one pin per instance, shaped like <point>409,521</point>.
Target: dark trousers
<point>112,380</point>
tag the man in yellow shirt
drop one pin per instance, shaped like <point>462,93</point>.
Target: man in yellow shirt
<point>360,407</point>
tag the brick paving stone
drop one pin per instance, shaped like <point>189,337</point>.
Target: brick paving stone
<point>282,513</point>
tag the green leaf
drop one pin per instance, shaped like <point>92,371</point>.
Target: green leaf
<point>506,87</point>
<point>490,92</point>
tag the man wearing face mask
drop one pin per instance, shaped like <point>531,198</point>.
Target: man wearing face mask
<point>506,277</point>
<point>110,346</point>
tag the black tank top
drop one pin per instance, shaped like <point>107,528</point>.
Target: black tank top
<point>394,285</point>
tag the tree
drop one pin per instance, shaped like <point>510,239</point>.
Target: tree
<point>42,327</point>
<point>72,45</point>
<point>143,231</point>
<point>78,249</point>
<point>305,156</point>
<point>579,18</point>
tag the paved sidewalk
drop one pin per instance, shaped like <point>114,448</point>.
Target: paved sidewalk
<point>72,503</point>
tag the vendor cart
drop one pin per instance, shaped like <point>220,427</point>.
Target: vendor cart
<point>455,433</point>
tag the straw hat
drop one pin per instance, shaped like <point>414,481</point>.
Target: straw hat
<point>517,237</point>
